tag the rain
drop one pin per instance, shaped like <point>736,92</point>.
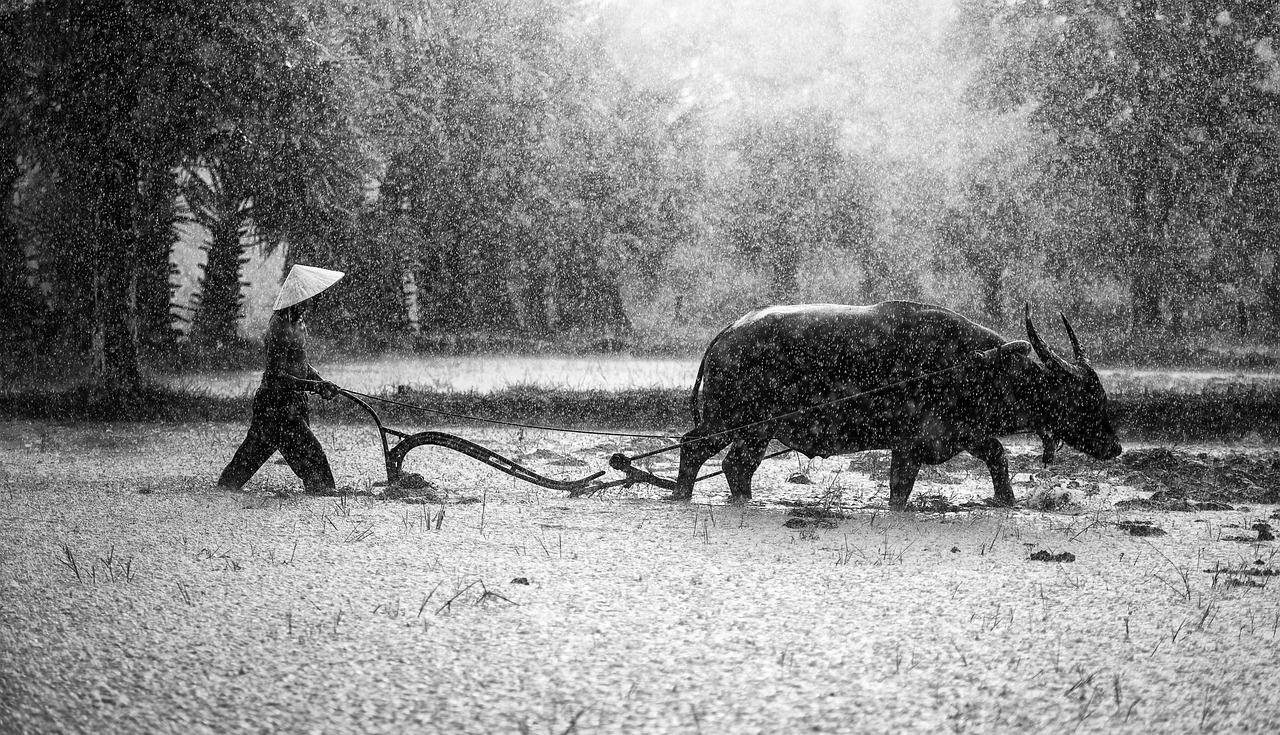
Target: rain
<point>648,366</point>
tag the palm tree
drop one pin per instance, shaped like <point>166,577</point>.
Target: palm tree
<point>111,95</point>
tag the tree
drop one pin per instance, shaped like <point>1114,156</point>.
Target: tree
<point>219,206</point>
<point>525,173</point>
<point>987,232</point>
<point>74,96</point>
<point>18,300</point>
<point>1162,102</point>
<point>111,98</point>
<point>624,176</point>
<point>461,90</point>
<point>797,190</point>
<point>157,236</point>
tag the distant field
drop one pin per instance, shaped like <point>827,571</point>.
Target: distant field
<point>609,390</point>
<point>463,373</point>
<point>489,373</point>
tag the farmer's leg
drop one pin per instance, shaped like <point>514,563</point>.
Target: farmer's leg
<point>302,450</point>
<point>253,452</point>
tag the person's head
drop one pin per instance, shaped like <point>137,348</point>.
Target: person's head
<point>297,312</point>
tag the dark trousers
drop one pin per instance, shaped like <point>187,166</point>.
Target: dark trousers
<point>280,422</point>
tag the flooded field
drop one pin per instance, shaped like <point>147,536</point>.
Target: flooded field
<point>1113,594</point>
<point>486,373</point>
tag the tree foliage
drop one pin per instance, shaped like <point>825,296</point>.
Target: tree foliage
<point>487,167</point>
<point>1168,106</point>
<point>111,98</point>
<point>797,190</point>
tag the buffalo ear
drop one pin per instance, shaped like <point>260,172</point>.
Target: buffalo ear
<point>1016,347</point>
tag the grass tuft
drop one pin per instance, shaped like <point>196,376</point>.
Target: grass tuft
<point>1213,410</point>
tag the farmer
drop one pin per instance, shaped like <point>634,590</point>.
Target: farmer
<point>280,405</point>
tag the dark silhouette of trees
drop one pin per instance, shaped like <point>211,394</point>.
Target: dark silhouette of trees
<point>797,190</point>
<point>1163,103</point>
<point>110,98</point>
<point>527,177</point>
<point>987,233</point>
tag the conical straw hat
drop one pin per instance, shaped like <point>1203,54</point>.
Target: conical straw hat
<point>303,282</point>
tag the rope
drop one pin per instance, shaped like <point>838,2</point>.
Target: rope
<point>499,422</point>
<point>797,412</point>
<point>717,473</point>
<point>680,444</point>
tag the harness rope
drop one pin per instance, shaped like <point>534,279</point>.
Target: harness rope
<point>499,422</point>
<point>797,412</point>
<point>680,444</point>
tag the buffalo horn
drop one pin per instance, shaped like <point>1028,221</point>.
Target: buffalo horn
<point>1047,356</point>
<point>1075,343</point>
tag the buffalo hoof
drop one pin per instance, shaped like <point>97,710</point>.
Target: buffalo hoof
<point>998,502</point>
<point>677,497</point>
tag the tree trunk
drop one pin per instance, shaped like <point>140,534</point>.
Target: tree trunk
<point>114,332</point>
<point>1146,294</point>
<point>489,300</point>
<point>219,309</point>
<point>17,299</point>
<point>536,301</point>
<point>992,292</point>
<point>784,259</point>
<point>1149,210</point>
<point>155,269</point>
<point>572,297</point>
<point>1271,292</point>
<point>608,304</point>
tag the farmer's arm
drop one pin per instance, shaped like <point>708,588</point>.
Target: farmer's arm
<point>287,355</point>
<point>323,387</point>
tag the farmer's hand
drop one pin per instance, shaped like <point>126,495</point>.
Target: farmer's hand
<point>327,390</point>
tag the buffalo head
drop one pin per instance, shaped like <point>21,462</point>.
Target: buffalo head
<point>1077,404</point>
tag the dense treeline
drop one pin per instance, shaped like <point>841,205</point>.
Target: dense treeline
<point>545,168</point>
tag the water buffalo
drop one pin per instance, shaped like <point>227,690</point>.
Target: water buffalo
<point>780,359</point>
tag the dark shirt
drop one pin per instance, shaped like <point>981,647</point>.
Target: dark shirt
<point>286,349</point>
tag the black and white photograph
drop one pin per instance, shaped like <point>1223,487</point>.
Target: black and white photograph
<point>655,367</point>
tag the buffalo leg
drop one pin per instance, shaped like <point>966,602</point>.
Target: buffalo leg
<point>692,457</point>
<point>902,478</point>
<point>740,464</point>
<point>991,451</point>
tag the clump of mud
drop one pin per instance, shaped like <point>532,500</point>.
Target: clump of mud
<point>1050,497</point>
<point>1140,528</point>
<point>1181,480</point>
<point>1262,528</point>
<point>1042,555</point>
<point>411,487</point>
<point>933,504</point>
<point>809,523</point>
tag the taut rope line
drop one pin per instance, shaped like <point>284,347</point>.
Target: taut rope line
<point>797,412</point>
<point>499,422</point>
<point>623,463</point>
